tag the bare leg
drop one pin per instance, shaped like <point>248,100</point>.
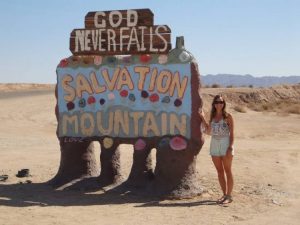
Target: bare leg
<point>219,166</point>
<point>227,162</point>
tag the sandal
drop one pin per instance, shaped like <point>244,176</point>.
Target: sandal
<point>3,177</point>
<point>221,200</point>
<point>228,199</point>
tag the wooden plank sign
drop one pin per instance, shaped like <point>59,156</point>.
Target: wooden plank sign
<point>119,18</point>
<point>121,32</point>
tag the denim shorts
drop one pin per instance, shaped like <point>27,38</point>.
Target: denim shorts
<point>219,146</point>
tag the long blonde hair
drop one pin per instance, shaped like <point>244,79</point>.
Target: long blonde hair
<point>213,111</point>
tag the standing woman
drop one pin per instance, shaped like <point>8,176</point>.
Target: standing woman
<point>221,129</point>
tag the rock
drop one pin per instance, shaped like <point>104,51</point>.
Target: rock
<point>23,173</point>
<point>275,202</point>
<point>210,192</point>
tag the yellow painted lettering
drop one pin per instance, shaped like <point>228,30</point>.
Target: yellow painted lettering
<point>150,125</point>
<point>163,81</point>
<point>175,124</point>
<point>124,79</point>
<point>67,88</point>
<point>82,85</point>
<point>153,79</point>
<point>164,124</point>
<point>87,124</point>
<point>111,82</point>
<point>69,120</point>
<point>105,130</point>
<point>136,116</point>
<point>121,119</point>
<point>142,72</point>
<point>95,84</point>
<point>180,86</point>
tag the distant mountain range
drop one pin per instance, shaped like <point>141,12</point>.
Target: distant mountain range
<point>246,80</point>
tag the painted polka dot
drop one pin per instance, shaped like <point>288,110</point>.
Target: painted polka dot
<point>108,142</point>
<point>178,143</point>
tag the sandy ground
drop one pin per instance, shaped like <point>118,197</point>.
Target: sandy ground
<point>266,171</point>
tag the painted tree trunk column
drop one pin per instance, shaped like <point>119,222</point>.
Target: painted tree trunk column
<point>141,170</point>
<point>77,161</point>
<point>110,164</point>
<point>175,173</point>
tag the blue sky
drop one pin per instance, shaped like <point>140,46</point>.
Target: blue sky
<point>258,37</point>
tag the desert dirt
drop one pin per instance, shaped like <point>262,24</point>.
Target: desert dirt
<point>266,170</point>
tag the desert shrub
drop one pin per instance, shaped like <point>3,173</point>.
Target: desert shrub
<point>240,108</point>
<point>259,107</point>
<point>266,106</point>
<point>286,86</point>
<point>250,86</point>
<point>282,107</point>
<point>229,86</point>
<point>215,85</point>
<point>295,109</point>
<point>255,107</point>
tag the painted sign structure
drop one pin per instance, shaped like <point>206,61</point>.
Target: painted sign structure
<point>129,96</point>
<point>124,84</point>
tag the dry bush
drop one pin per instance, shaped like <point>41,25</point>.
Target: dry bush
<point>255,107</point>
<point>293,108</point>
<point>239,108</point>
<point>282,107</point>
<point>216,86</point>
<point>267,106</point>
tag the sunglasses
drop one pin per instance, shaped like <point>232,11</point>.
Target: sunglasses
<point>219,102</point>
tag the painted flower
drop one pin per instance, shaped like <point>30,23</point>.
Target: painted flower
<point>145,58</point>
<point>108,142</point>
<point>70,106</point>
<point>102,101</point>
<point>87,60</point>
<point>166,99</point>
<point>178,102</point>
<point>91,100</point>
<point>124,93</point>
<point>154,97</point>
<point>111,59</point>
<point>178,143</point>
<point>75,60</point>
<point>97,60</point>
<point>164,142</point>
<point>126,59</point>
<point>82,103</point>
<point>162,59</point>
<point>131,97</point>
<point>144,94</point>
<point>140,144</point>
<point>63,63</point>
<point>111,96</point>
